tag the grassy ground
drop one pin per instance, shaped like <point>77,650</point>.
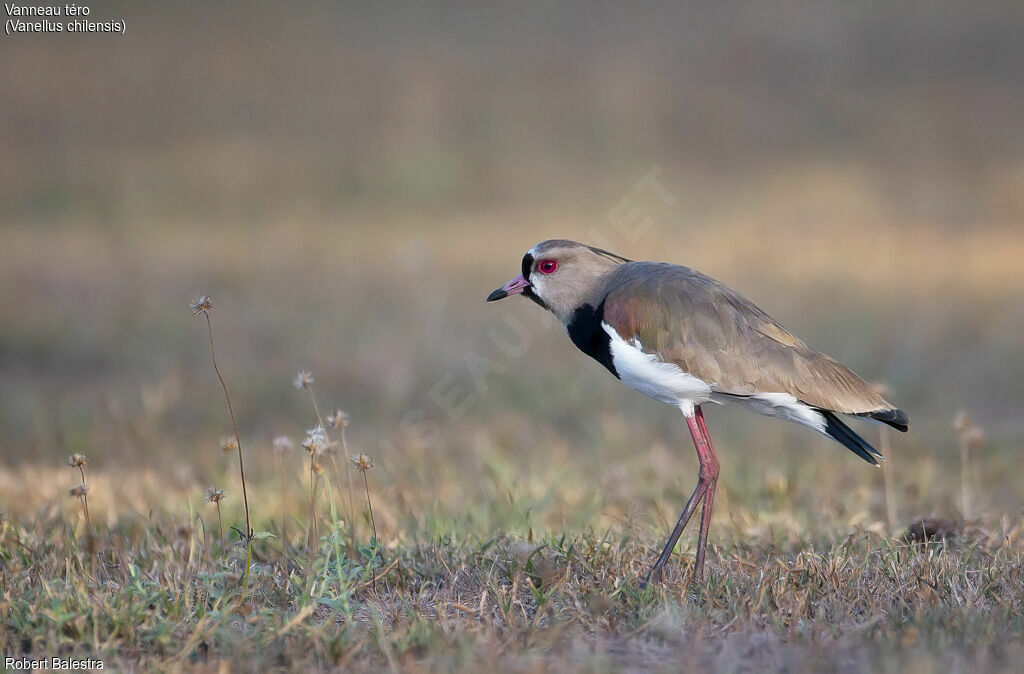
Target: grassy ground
<point>164,592</point>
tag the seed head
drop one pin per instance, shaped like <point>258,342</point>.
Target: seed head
<point>79,491</point>
<point>76,460</point>
<point>283,443</point>
<point>337,419</point>
<point>316,440</point>
<point>213,495</point>
<point>201,304</point>
<point>962,421</point>
<point>304,379</point>
<point>228,443</point>
<point>363,462</point>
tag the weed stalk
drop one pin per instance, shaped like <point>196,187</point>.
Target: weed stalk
<point>204,305</point>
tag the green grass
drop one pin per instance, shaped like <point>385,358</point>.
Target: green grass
<point>160,596</point>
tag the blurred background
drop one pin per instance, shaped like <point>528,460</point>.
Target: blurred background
<point>349,181</point>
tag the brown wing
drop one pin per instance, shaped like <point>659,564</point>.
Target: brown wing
<point>716,334</point>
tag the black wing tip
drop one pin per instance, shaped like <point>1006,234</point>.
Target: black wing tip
<point>898,419</point>
<point>845,435</point>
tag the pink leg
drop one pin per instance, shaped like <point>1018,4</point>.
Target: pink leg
<point>711,470</point>
<point>705,490</point>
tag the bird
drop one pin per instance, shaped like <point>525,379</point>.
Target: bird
<point>685,339</point>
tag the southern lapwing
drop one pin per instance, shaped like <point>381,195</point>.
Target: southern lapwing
<point>685,339</point>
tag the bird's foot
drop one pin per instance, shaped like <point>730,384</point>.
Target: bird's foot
<point>653,576</point>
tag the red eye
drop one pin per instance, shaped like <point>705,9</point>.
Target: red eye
<point>547,266</point>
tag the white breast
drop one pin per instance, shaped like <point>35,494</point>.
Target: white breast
<point>653,377</point>
<point>668,383</point>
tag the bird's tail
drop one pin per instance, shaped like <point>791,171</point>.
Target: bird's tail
<point>842,433</point>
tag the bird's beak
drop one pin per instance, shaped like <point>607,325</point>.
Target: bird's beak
<point>513,287</point>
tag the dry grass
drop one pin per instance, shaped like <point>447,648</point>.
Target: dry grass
<point>567,602</point>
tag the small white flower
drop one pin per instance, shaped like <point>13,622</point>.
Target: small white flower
<point>200,304</point>
<point>304,379</point>
<point>337,419</point>
<point>283,443</point>
<point>316,440</point>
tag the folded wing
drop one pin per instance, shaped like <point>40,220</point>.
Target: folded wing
<point>712,332</point>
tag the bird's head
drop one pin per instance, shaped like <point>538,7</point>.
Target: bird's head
<point>560,275</point>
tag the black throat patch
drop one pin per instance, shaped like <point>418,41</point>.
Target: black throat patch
<point>586,333</point>
<point>528,290</point>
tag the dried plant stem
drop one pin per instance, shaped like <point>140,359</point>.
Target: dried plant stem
<point>316,408</point>
<point>373,527</point>
<point>284,499</point>
<point>348,477</point>
<point>965,482</point>
<point>241,466</point>
<point>314,541</point>
<point>369,506</point>
<point>85,507</point>
<point>220,524</point>
<point>887,468</point>
<point>88,523</point>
